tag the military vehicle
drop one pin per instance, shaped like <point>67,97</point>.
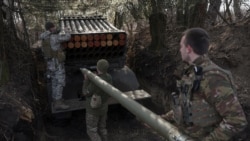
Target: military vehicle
<point>93,38</point>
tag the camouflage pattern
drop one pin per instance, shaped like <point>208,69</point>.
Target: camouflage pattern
<point>96,127</point>
<point>217,90</point>
<point>57,81</point>
<point>56,38</point>
<point>96,117</point>
<point>93,89</point>
<point>55,68</point>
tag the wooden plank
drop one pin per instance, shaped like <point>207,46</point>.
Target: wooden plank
<point>76,104</point>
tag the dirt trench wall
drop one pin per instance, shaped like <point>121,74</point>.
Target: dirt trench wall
<point>156,70</point>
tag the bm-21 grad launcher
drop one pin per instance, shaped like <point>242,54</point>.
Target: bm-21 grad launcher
<point>93,38</point>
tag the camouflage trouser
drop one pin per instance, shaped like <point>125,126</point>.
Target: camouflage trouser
<point>96,127</point>
<point>57,74</point>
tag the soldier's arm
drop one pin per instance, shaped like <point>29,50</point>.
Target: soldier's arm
<point>88,87</point>
<point>220,94</point>
<point>93,89</point>
<point>44,35</point>
<point>64,37</point>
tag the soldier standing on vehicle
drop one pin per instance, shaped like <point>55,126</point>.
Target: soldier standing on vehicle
<point>96,112</point>
<point>206,106</point>
<point>55,57</point>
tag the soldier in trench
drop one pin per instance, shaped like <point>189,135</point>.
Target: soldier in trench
<point>55,57</point>
<point>96,114</point>
<point>206,106</point>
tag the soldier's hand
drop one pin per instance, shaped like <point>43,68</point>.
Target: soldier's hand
<point>143,123</point>
<point>169,116</point>
<point>66,30</point>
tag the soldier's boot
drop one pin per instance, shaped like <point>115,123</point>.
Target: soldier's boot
<point>60,105</point>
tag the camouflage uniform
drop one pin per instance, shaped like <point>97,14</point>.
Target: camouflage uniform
<point>96,117</point>
<point>212,112</point>
<point>55,67</point>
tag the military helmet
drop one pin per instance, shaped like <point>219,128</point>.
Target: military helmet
<point>103,65</point>
<point>49,25</point>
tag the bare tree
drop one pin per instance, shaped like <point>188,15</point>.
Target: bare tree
<point>191,13</point>
<point>227,13</point>
<point>158,5</point>
<point>213,11</point>
<point>119,16</point>
<point>158,24</point>
<point>237,11</point>
<point>196,13</point>
<point>180,20</point>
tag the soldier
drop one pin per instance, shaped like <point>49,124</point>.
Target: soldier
<point>96,116</point>
<point>206,106</point>
<point>54,55</point>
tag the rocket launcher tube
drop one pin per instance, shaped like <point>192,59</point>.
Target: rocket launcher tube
<point>163,127</point>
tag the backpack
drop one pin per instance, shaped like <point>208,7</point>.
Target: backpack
<point>50,53</point>
<point>96,101</point>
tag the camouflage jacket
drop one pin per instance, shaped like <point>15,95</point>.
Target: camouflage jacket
<point>93,89</point>
<point>53,52</point>
<point>55,38</point>
<point>215,89</point>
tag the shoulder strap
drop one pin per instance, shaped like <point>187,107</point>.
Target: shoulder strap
<point>47,50</point>
<point>214,67</point>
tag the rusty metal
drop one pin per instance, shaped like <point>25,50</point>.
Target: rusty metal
<point>93,38</point>
<point>93,34</point>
